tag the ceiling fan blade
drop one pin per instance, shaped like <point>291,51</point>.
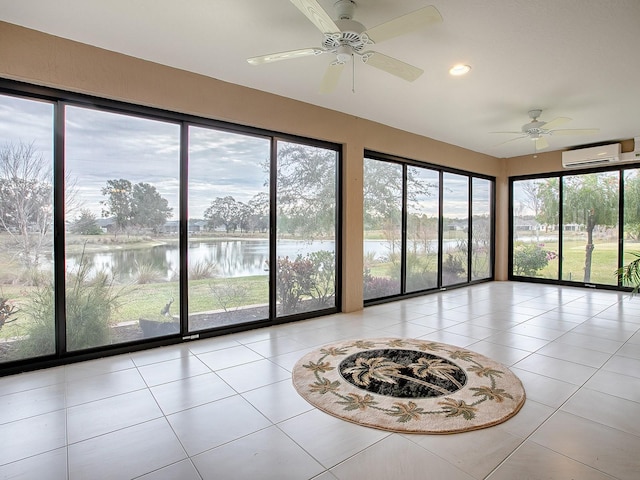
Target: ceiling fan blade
<point>274,57</point>
<point>331,77</point>
<point>404,24</point>
<point>392,65</point>
<point>576,131</point>
<point>514,133</point>
<point>556,122</point>
<point>318,16</point>
<point>510,140</point>
<point>541,143</point>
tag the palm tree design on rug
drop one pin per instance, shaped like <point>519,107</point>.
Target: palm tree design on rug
<point>387,371</point>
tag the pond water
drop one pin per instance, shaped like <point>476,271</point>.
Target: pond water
<point>232,258</point>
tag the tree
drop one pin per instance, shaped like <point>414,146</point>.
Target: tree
<point>85,224</point>
<point>259,216</point>
<point>632,204</point>
<point>223,211</point>
<point>26,200</point>
<point>138,205</point>
<point>118,202</point>
<point>306,188</point>
<point>591,199</point>
<point>148,208</point>
<point>548,195</point>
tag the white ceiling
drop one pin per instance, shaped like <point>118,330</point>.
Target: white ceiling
<point>571,58</point>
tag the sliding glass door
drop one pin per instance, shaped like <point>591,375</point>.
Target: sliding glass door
<point>228,228</point>
<point>306,211</point>
<point>424,228</point>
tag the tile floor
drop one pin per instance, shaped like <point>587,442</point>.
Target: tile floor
<point>224,408</point>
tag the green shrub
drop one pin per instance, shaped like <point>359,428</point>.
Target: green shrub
<point>89,305</point>
<point>530,258</point>
<point>324,276</point>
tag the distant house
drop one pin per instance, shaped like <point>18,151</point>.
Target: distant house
<point>526,225</point>
<point>107,225</point>
<point>171,226</point>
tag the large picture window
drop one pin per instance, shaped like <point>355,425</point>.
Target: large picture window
<point>121,213</point>
<point>123,225</point>
<point>27,306</point>
<point>228,228</point>
<point>421,231</point>
<point>571,228</point>
<point>305,274</point>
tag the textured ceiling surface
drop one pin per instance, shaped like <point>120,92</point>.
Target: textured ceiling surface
<point>570,58</point>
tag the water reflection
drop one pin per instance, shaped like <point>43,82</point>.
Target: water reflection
<point>232,258</point>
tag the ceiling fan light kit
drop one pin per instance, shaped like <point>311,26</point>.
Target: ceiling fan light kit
<point>347,38</point>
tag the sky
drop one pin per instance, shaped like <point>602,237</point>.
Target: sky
<point>101,146</point>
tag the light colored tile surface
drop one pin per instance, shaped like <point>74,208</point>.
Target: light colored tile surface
<point>182,470</point>
<point>126,453</point>
<point>534,462</point>
<point>51,465</point>
<point>253,375</point>
<point>397,457</point>
<point>545,390</point>
<point>210,425</point>
<point>615,384</point>
<point>107,415</point>
<point>29,403</point>
<point>193,391</point>
<point>605,409</point>
<point>278,401</point>
<point>476,453</point>
<point>171,370</point>
<point>598,446</point>
<point>329,439</point>
<point>102,417</point>
<point>268,455</point>
<point>569,372</point>
<point>102,386</point>
<point>32,436</point>
<point>229,357</point>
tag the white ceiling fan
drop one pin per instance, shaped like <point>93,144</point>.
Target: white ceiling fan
<point>536,130</point>
<point>347,39</point>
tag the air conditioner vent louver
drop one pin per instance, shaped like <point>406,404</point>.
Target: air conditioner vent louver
<point>591,157</point>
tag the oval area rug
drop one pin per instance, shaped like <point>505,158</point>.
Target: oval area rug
<point>408,385</point>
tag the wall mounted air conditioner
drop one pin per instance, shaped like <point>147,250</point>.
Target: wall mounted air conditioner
<point>591,157</point>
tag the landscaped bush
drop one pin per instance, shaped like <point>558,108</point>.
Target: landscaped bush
<point>453,269</point>
<point>294,280</point>
<point>89,305</point>
<point>377,287</point>
<point>530,258</point>
<point>324,276</point>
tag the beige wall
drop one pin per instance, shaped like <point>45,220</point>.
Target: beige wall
<point>42,59</point>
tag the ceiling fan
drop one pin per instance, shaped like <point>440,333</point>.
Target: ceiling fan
<point>347,39</point>
<point>536,130</point>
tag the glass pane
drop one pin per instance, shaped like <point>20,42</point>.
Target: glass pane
<point>306,229</point>
<point>590,227</point>
<point>422,228</point>
<point>535,228</point>
<point>455,234</point>
<point>122,242</point>
<point>228,228</point>
<point>382,228</point>
<point>26,229</point>
<point>481,229</point>
<point>631,233</point>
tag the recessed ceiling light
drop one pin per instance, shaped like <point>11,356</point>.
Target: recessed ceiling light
<point>459,69</point>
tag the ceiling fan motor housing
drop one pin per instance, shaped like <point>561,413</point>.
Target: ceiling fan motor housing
<point>349,36</point>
